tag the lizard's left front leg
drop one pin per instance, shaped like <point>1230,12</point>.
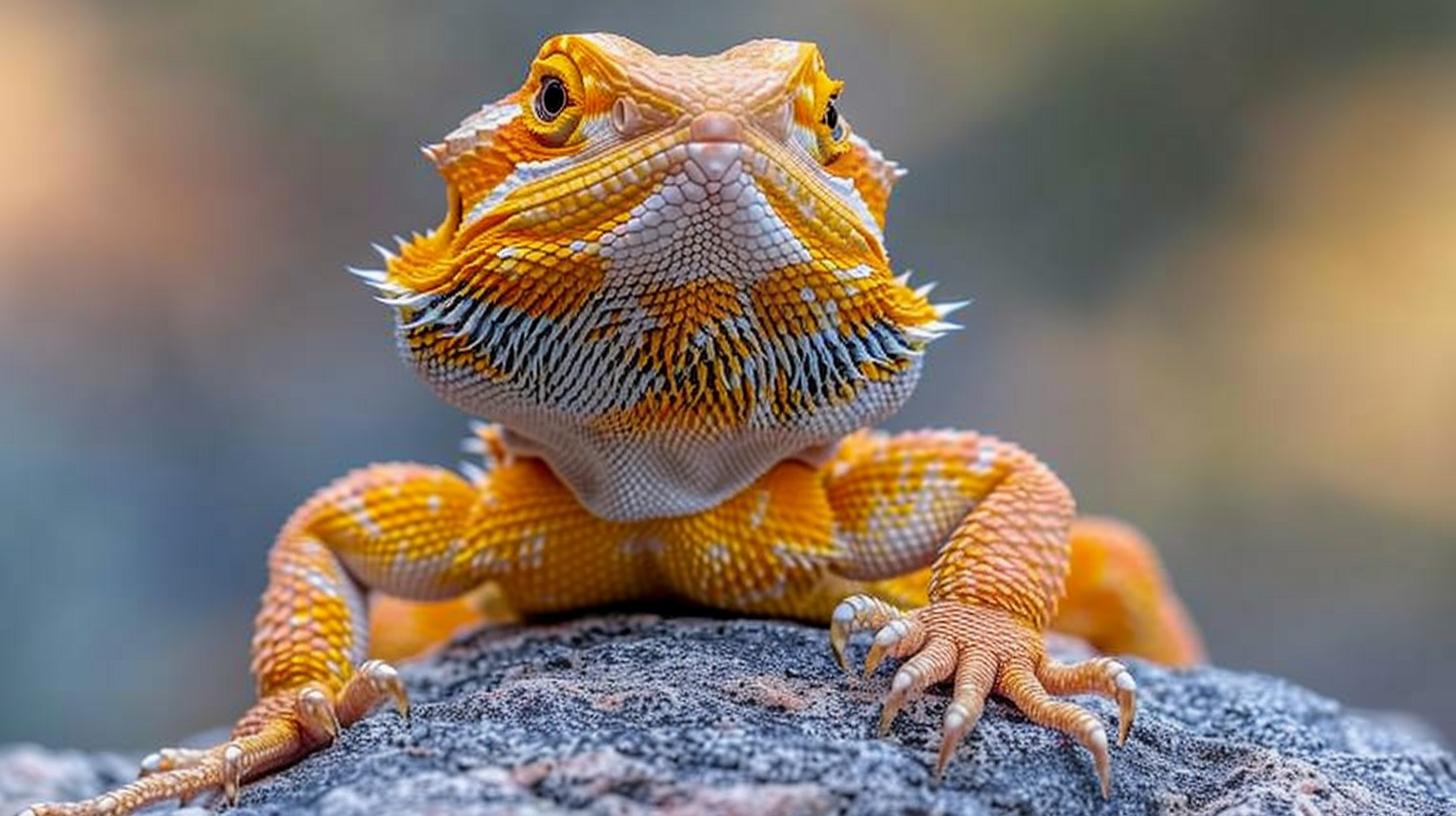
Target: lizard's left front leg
<point>412,531</point>
<point>995,521</point>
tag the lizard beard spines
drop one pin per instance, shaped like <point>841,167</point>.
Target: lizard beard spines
<point>602,360</point>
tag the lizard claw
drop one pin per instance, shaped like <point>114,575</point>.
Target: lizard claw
<point>374,682</point>
<point>930,665</point>
<point>1102,676</point>
<point>858,613</point>
<point>984,650</point>
<point>231,772</point>
<point>385,681</point>
<point>899,637</point>
<point>315,711</point>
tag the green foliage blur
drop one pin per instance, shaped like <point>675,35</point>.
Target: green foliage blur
<point>1212,247</point>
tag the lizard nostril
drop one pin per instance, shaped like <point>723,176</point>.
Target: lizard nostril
<point>714,126</point>
<point>626,118</point>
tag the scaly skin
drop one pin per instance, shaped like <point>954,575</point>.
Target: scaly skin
<point>665,279</point>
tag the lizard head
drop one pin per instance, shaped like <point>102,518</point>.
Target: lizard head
<point>672,260</point>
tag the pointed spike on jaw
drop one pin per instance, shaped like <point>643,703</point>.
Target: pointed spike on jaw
<point>386,286</point>
<point>409,300</point>
<point>946,309</point>
<point>473,473</point>
<point>924,334</point>
<point>922,291</point>
<point>904,277</point>
<point>384,253</point>
<point>939,327</point>
<point>370,276</point>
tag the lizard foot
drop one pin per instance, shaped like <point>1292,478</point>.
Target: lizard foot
<point>985,650</point>
<point>280,730</point>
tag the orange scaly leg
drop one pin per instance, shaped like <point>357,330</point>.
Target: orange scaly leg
<point>310,632</point>
<point>386,526</point>
<point>413,532</point>
<point>995,523</point>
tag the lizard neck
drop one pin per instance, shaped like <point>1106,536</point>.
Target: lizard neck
<point>657,481</point>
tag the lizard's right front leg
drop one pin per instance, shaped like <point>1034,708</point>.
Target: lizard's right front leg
<point>412,531</point>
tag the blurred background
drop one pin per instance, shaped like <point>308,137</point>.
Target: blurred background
<point>1212,246</point>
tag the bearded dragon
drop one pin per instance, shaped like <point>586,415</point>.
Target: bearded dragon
<point>664,279</point>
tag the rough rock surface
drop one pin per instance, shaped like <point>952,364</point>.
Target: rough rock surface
<point>632,714</point>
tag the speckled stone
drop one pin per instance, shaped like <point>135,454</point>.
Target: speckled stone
<point>637,714</point>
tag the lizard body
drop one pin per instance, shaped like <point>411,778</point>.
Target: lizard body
<point>664,278</point>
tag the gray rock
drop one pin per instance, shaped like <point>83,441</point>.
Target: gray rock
<point>29,773</point>
<point>634,714</point>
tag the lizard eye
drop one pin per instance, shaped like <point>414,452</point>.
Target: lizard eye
<point>833,135</point>
<point>831,119</point>
<point>551,99</point>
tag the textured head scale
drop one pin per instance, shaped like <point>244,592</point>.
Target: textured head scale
<point>663,274</point>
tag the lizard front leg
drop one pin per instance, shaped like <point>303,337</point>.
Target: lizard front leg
<point>407,530</point>
<point>385,526</point>
<point>994,520</point>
